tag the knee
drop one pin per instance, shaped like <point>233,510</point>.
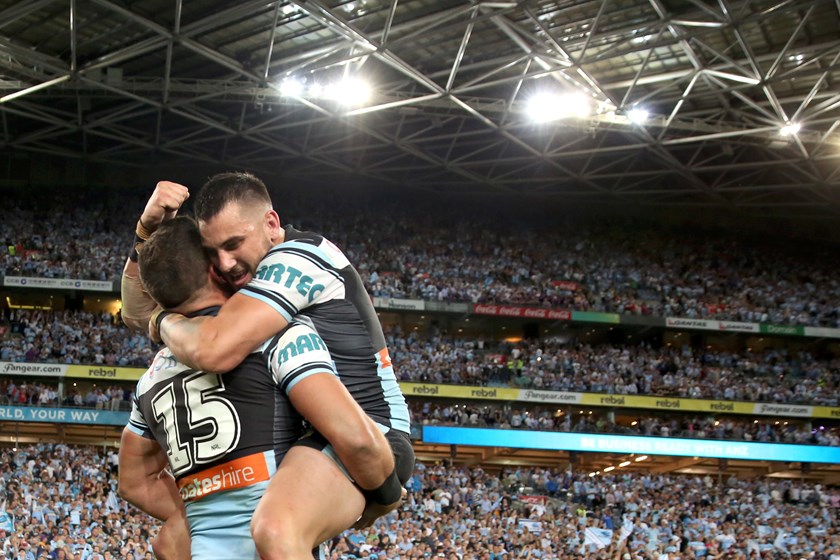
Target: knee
<point>277,539</point>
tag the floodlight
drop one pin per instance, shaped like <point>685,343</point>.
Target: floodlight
<point>789,129</point>
<point>637,115</point>
<point>546,107</point>
<point>291,87</point>
<point>351,91</point>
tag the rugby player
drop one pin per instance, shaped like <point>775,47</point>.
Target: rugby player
<point>216,433</point>
<point>300,273</point>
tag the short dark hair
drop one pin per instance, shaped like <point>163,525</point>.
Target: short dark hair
<point>173,264</point>
<point>224,188</point>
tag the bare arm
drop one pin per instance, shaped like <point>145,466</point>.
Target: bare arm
<point>144,482</point>
<point>137,305</point>
<point>324,401</point>
<point>218,344</point>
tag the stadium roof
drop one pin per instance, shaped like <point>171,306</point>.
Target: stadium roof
<point>256,84</point>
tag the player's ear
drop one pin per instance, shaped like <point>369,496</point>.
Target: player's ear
<point>272,221</point>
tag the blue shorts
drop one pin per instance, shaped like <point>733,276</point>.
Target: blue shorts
<point>220,522</point>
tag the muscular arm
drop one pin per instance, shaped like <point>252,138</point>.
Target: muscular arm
<point>324,401</point>
<point>137,305</point>
<point>143,482</point>
<point>218,344</point>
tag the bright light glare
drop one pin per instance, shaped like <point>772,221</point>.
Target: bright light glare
<point>637,116</point>
<point>624,463</point>
<point>790,129</point>
<point>641,458</point>
<point>546,107</point>
<point>316,90</point>
<point>608,469</point>
<point>291,87</point>
<point>349,91</point>
<point>642,39</point>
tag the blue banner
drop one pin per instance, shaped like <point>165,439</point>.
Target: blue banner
<point>63,415</point>
<point>7,521</point>
<point>600,443</point>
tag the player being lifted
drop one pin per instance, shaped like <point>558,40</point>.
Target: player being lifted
<point>216,432</point>
<point>309,278</point>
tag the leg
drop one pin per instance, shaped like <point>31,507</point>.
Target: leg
<point>173,540</point>
<point>308,501</point>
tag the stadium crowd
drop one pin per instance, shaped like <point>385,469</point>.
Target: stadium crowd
<point>772,376</point>
<point>61,503</point>
<point>73,337</point>
<point>622,268</point>
<point>37,393</point>
<point>522,417</point>
<point>465,514</point>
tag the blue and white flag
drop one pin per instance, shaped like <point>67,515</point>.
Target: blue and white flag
<point>7,521</point>
<point>601,538</point>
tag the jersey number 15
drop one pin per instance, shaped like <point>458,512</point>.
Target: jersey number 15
<point>204,407</point>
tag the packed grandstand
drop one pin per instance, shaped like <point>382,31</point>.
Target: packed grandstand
<point>627,268</point>
<point>61,501</point>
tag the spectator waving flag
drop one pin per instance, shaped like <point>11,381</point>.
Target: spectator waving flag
<point>601,538</point>
<point>7,521</point>
<point>626,529</point>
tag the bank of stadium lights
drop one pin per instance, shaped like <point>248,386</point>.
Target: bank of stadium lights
<point>637,115</point>
<point>547,107</point>
<point>347,91</point>
<point>790,129</point>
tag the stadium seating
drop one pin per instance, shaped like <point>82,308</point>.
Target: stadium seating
<point>60,497</point>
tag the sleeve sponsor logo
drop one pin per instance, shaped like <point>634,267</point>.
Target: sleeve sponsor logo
<point>289,277</point>
<point>301,345</point>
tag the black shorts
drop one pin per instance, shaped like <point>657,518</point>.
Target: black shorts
<point>400,446</point>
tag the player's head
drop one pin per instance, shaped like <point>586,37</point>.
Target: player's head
<point>173,265</point>
<point>237,223</point>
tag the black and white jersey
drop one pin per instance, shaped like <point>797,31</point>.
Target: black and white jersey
<point>308,278</point>
<point>296,353</point>
<point>204,419</point>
